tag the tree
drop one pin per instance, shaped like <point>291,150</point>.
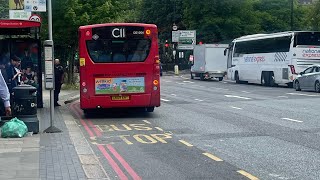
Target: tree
<point>4,9</point>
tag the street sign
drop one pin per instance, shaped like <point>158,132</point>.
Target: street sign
<point>187,39</point>
<point>175,36</point>
<point>19,14</point>
<point>35,5</point>
<point>185,47</point>
<point>35,17</point>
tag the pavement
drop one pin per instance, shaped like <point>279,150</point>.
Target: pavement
<point>55,156</point>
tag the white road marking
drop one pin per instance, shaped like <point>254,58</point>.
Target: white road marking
<point>235,107</point>
<point>245,92</point>
<point>224,82</point>
<point>181,83</point>
<point>146,121</point>
<point>165,100</point>
<point>283,97</point>
<point>299,94</point>
<point>167,81</point>
<point>222,89</point>
<point>173,95</point>
<point>240,97</point>
<point>288,119</point>
<point>188,82</point>
<point>198,100</point>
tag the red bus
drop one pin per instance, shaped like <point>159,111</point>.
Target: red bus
<point>119,66</point>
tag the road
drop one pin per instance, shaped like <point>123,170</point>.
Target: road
<point>211,130</point>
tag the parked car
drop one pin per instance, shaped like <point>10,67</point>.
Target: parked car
<point>309,79</point>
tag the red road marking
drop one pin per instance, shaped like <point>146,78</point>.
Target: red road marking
<point>95,129</point>
<point>113,164</point>
<point>133,174</point>
<point>82,121</point>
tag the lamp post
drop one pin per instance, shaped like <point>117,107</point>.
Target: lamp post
<point>292,4</point>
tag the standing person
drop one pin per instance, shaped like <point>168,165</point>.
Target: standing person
<point>58,80</point>
<point>13,73</point>
<point>5,95</point>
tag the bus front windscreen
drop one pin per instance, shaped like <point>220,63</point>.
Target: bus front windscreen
<point>308,39</point>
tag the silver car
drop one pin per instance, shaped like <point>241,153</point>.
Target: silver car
<point>309,79</point>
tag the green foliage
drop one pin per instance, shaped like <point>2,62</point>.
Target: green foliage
<point>4,9</point>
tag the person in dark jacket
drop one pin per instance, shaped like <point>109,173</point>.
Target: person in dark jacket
<point>14,73</point>
<point>58,79</point>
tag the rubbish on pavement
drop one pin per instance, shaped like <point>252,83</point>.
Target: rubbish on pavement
<point>14,128</point>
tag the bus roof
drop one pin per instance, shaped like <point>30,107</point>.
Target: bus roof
<point>13,23</point>
<point>118,24</point>
<point>264,36</point>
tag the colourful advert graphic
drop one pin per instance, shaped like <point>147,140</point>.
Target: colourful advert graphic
<point>119,85</point>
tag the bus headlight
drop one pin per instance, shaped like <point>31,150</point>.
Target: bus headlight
<point>85,90</point>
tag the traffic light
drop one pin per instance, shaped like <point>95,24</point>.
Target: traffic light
<point>166,44</point>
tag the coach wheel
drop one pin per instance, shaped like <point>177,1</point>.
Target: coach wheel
<point>272,79</point>
<point>201,77</point>
<point>264,80</point>
<point>150,109</point>
<point>317,87</point>
<point>236,77</point>
<point>297,86</point>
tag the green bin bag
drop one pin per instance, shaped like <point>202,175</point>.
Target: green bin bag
<point>14,128</point>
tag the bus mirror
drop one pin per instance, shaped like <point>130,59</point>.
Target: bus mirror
<point>225,52</point>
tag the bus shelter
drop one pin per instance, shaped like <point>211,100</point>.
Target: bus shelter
<point>21,38</point>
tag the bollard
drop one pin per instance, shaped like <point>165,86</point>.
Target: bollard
<point>25,106</point>
<point>176,70</point>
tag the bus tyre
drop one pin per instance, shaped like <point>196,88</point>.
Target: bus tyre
<point>150,109</point>
<point>236,77</point>
<point>317,87</point>
<point>192,77</point>
<point>202,77</point>
<point>220,78</point>
<point>297,86</point>
<point>263,79</point>
<point>272,82</point>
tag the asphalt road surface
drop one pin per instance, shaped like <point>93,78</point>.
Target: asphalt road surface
<point>211,130</point>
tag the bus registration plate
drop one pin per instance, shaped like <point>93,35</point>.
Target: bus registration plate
<point>120,98</point>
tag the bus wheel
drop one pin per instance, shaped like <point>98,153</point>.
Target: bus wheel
<point>263,79</point>
<point>272,82</point>
<point>150,109</point>
<point>297,86</point>
<point>236,77</point>
<point>201,77</point>
<point>317,87</point>
<point>192,77</point>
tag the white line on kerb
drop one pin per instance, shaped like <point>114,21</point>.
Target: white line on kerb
<point>235,107</point>
<point>288,119</point>
<point>299,94</point>
<point>165,100</point>
<point>237,97</point>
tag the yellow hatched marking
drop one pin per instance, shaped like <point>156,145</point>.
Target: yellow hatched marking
<point>159,128</point>
<point>146,121</point>
<point>186,143</point>
<point>248,175</point>
<point>213,157</point>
